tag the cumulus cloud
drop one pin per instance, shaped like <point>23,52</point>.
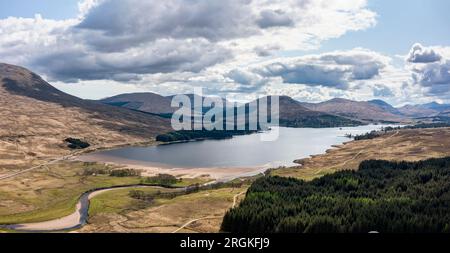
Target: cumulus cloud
<point>380,90</point>
<point>49,47</point>
<point>128,39</point>
<point>170,46</point>
<point>117,24</point>
<point>430,68</point>
<point>162,56</point>
<point>247,81</point>
<point>22,39</point>
<point>435,76</point>
<point>268,50</point>
<point>274,18</point>
<point>335,69</point>
<point>421,54</point>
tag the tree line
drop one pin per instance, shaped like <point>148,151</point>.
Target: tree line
<point>187,135</point>
<point>382,196</point>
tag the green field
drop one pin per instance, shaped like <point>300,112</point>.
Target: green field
<point>52,192</point>
<point>118,201</point>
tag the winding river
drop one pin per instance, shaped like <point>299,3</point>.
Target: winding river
<point>75,220</point>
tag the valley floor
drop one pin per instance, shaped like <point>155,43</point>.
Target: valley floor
<point>52,191</point>
<point>198,212</point>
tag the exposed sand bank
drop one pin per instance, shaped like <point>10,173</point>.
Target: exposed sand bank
<point>77,219</point>
<point>151,169</point>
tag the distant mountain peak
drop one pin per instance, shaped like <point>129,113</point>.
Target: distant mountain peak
<point>371,111</point>
<point>15,77</point>
<point>143,101</point>
<point>434,103</point>
<point>385,106</point>
<point>53,115</point>
<point>285,98</point>
<point>378,102</point>
<point>21,81</point>
<point>339,100</point>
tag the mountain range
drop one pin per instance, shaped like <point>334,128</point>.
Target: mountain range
<point>373,111</point>
<point>367,111</point>
<point>426,110</point>
<point>291,110</point>
<point>33,109</point>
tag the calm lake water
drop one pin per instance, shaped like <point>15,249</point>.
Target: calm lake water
<point>240,151</point>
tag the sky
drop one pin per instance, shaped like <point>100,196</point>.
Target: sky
<point>311,50</point>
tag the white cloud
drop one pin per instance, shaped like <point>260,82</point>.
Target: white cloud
<point>380,90</point>
<point>85,5</point>
<point>421,54</point>
<point>430,68</point>
<point>435,76</point>
<point>336,69</point>
<point>274,18</point>
<point>112,39</point>
<point>22,39</point>
<point>170,46</point>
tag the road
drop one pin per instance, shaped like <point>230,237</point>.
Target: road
<point>359,153</point>
<point>209,217</point>
<point>192,221</point>
<point>37,167</point>
<point>235,199</point>
<point>56,160</point>
<point>362,150</point>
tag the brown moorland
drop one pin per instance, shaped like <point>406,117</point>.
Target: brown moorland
<point>36,118</point>
<point>408,145</point>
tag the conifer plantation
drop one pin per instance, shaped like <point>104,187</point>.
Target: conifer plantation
<point>382,196</point>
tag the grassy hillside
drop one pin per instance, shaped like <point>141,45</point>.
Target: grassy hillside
<point>37,118</point>
<point>372,111</point>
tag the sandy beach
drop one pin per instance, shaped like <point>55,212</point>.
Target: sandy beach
<point>151,169</point>
<point>71,221</point>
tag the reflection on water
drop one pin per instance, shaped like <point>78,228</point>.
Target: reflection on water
<point>241,151</point>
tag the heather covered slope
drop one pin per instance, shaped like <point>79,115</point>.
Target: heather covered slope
<point>36,118</point>
<point>146,102</point>
<point>425,110</point>
<point>367,111</point>
<point>295,114</point>
<point>292,112</point>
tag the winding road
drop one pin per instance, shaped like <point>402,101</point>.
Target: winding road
<point>66,157</point>
<point>208,217</point>
<point>358,154</point>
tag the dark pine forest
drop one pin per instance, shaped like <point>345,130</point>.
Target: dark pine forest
<point>382,196</point>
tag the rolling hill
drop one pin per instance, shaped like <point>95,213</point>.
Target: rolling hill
<point>425,110</point>
<point>37,118</point>
<point>294,114</point>
<point>372,111</point>
<point>385,106</point>
<point>146,102</point>
<point>149,102</point>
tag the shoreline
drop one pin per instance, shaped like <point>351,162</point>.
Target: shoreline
<point>221,174</point>
<point>216,173</point>
<point>78,218</point>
